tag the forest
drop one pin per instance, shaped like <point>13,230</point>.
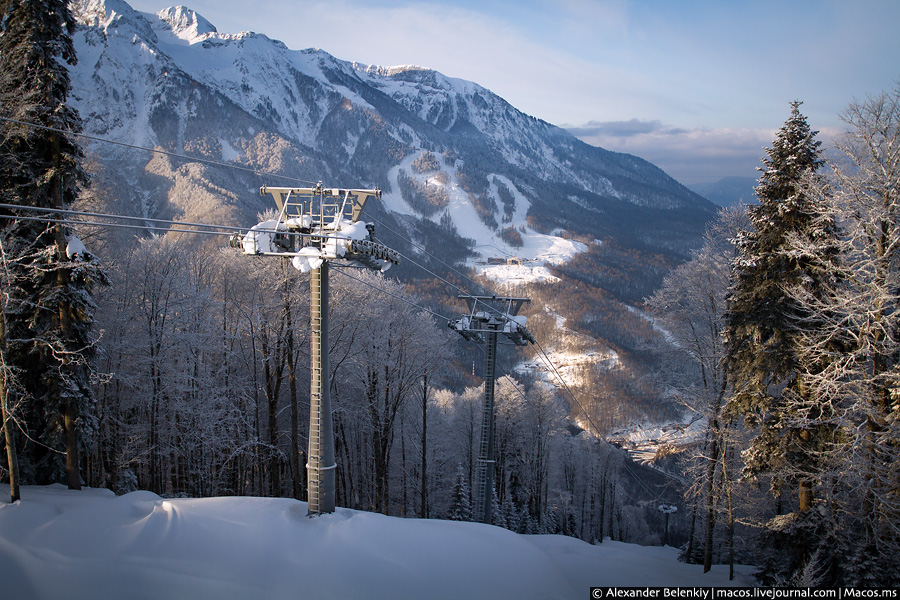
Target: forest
<point>175,364</point>
<point>785,336</point>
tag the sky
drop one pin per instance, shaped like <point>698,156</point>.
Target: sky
<point>698,87</point>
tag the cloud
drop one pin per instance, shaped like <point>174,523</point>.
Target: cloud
<point>620,129</point>
<point>689,155</point>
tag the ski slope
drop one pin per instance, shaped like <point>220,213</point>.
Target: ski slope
<point>56,543</point>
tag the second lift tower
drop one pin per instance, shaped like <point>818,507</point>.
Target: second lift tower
<point>489,316</point>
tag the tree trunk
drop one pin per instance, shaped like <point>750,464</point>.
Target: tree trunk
<point>296,474</point>
<point>423,508</point>
<point>69,406</point>
<point>689,553</point>
<point>728,492</point>
<point>5,385</point>
<point>710,500</point>
<point>73,474</point>
<point>10,440</point>
<point>273,372</point>
<point>8,433</point>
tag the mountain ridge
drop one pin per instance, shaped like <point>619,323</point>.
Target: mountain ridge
<point>467,180</point>
<point>150,80</point>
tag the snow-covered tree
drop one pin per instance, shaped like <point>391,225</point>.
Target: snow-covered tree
<point>763,321</point>
<point>860,384</point>
<point>691,307</point>
<point>792,248</point>
<point>9,383</point>
<point>868,185</point>
<point>460,497</point>
<point>50,313</point>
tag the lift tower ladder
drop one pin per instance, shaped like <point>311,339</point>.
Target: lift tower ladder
<point>487,317</point>
<point>314,226</point>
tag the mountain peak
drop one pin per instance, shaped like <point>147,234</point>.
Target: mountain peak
<point>112,17</point>
<point>187,24</point>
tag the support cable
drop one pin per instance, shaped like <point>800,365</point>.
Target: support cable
<point>566,386</point>
<point>198,159</point>
<point>162,230</point>
<point>238,168</point>
<point>463,291</point>
<point>597,431</point>
<point>425,251</point>
<point>78,213</point>
<point>227,229</point>
<point>341,269</point>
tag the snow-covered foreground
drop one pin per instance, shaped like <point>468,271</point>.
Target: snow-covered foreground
<point>56,543</point>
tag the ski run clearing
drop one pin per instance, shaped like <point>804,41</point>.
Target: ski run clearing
<point>528,262</point>
<point>91,544</point>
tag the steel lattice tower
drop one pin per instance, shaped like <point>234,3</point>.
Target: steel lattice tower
<point>321,463</point>
<point>489,316</point>
<point>314,226</point>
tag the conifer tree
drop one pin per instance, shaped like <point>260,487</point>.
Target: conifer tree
<point>510,513</point>
<point>793,244</point>
<point>497,516</point>
<point>49,314</point>
<point>461,497</point>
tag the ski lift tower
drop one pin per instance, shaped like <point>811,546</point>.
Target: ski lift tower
<point>314,226</point>
<point>488,316</point>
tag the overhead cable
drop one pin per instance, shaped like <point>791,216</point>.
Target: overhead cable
<point>340,269</point>
<point>197,159</point>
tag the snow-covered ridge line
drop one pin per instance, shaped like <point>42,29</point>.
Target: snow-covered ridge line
<point>140,74</point>
<point>187,24</point>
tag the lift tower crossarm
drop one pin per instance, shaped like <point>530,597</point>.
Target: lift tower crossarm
<point>356,197</point>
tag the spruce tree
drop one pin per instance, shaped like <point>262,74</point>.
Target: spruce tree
<point>461,497</point>
<point>791,250</point>
<point>50,312</point>
<point>497,516</point>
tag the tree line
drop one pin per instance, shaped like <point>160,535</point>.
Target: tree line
<point>785,330</point>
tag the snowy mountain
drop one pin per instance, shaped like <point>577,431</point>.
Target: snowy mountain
<point>465,176</point>
<point>448,154</point>
<point>57,543</point>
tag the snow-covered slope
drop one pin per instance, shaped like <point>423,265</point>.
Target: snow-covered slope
<point>470,180</point>
<point>528,261</point>
<point>56,543</point>
<point>172,80</point>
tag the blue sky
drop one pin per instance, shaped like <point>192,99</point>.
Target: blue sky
<point>698,87</point>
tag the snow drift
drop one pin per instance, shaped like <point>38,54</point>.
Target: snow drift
<point>57,543</point>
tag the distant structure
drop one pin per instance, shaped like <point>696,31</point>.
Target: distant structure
<point>314,226</point>
<point>488,316</point>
